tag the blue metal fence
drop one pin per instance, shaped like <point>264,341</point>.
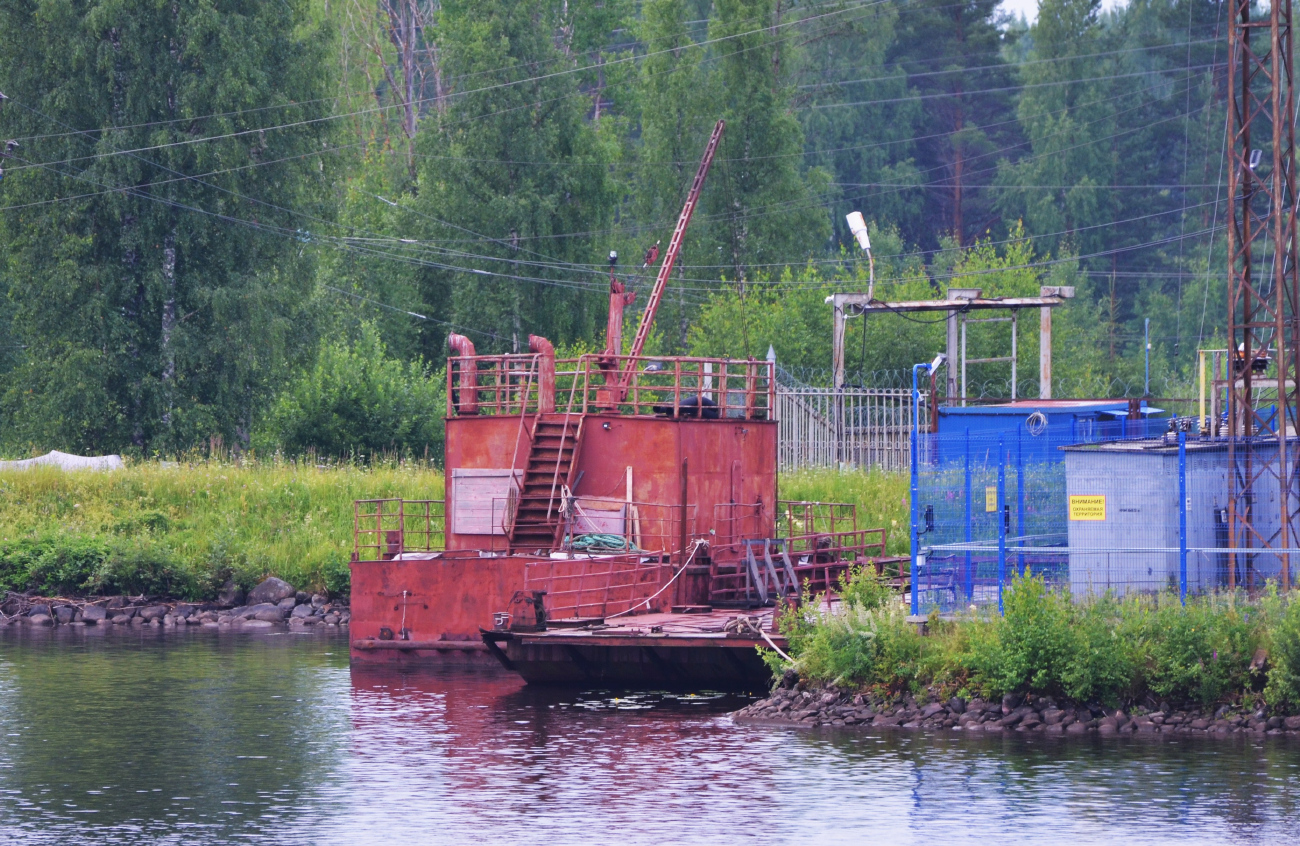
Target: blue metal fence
<point>1145,510</point>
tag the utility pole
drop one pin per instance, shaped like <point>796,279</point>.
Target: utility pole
<point>1263,295</point>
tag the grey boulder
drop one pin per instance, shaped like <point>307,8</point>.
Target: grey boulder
<point>231,594</point>
<point>272,590</point>
<point>94,614</point>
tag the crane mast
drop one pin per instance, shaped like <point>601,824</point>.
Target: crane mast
<point>618,298</point>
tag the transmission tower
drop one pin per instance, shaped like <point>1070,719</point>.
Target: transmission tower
<point>1263,295</point>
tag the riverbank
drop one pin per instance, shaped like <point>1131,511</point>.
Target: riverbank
<point>272,603</point>
<point>1039,714</point>
<point>1227,660</point>
<point>183,529</point>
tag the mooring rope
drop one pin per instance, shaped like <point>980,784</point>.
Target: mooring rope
<point>696,548</point>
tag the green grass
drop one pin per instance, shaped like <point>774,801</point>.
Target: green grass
<point>1137,649</point>
<point>881,498</point>
<point>184,528</point>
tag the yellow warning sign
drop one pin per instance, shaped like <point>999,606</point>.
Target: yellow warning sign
<point>1087,507</point>
<point>991,498</point>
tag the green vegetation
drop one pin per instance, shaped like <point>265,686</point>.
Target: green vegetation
<point>211,200</point>
<point>355,400</point>
<point>881,499</point>
<point>1108,651</point>
<point>184,529</point>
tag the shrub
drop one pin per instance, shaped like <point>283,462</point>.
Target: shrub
<point>1199,651</point>
<point>864,589</point>
<point>1035,638</point>
<point>356,399</point>
<point>860,646</point>
<point>1102,663</point>
<point>1282,692</point>
<point>141,566</point>
<point>50,564</point>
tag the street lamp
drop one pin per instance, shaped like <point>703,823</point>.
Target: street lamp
<point>858,227</point>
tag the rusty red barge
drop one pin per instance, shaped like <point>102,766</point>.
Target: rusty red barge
<point>608,519</point>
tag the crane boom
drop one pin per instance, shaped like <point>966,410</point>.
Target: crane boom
<point>674,247</point>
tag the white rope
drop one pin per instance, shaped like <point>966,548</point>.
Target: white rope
<point>696,548</point>
<point>776,648</point>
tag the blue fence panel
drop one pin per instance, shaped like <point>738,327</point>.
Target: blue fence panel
<point>992,504</point>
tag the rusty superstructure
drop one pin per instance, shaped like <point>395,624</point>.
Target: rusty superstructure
<point>607,518</point>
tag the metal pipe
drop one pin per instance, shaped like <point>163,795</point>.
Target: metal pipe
<point>1146,344</point>
<point>545,374</point>
<point>916,487</point>
<point>467,402</point>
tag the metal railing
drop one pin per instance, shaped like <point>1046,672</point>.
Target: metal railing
<point>711,388</point>
<point>854,427</point>
<point>385,528</point>
<point>597,586</point>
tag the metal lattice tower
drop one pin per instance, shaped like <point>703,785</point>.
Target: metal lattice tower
<point>1263,295</point>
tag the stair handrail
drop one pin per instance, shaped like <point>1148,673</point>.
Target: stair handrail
<point>523,430</point>
<point>559,456</point>
<point>564,432</point>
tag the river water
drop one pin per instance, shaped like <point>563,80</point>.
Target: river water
<point>206,737</point>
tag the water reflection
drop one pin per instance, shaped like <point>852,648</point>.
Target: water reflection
<point>143,737</point>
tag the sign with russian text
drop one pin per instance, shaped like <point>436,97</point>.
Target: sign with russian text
<point>1087,507</point>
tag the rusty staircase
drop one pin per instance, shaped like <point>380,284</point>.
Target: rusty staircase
<point>536,522</point>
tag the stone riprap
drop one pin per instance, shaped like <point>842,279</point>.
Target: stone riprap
<point>293,609</point>
<point>1039,714</point>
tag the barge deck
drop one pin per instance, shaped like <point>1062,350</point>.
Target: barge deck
<point>711,648</point>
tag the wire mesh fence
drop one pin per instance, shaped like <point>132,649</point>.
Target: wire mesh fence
<point>1108,510</point>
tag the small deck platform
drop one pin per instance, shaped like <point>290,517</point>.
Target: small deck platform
<point>715,649</point>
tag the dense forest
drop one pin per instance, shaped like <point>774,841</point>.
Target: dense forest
<point>254,223</point>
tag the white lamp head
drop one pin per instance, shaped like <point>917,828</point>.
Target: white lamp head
<point>858,227</point>
<point>938,362</point>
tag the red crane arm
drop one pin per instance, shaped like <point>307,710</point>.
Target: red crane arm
<point>674,247</point>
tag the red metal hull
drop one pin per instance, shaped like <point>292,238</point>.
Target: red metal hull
<point>442,600</point>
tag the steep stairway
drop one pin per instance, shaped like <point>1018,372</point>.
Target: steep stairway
<point>555,443</point>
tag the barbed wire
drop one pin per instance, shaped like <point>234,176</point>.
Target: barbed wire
<point>1167,386</point>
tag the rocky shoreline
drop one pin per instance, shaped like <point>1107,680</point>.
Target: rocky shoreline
<point>829,707</point>
<point>273,603</point>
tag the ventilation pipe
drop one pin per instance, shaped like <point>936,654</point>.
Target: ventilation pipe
<point>545,373</point>
<point>466,399</point>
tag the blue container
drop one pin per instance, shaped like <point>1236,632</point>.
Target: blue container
<point>1043,425</point>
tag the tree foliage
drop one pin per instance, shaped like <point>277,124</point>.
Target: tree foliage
<point>203,190</point>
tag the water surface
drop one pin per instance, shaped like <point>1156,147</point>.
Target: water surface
<point>206,737</point>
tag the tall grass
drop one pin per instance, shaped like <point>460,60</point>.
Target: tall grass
<point>183,528</point>
<point>881,498</point>
<point>1139,648</point>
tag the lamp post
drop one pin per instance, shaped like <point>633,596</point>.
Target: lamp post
<point>930,368</point>
<point>858,227</point>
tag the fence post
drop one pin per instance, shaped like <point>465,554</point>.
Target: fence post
<point>1002,522</point>
<point>1182,517</point>
<point>916,489</point>
<point>916,535</point>
<point>1020,500</point>
<point>969,579</point>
